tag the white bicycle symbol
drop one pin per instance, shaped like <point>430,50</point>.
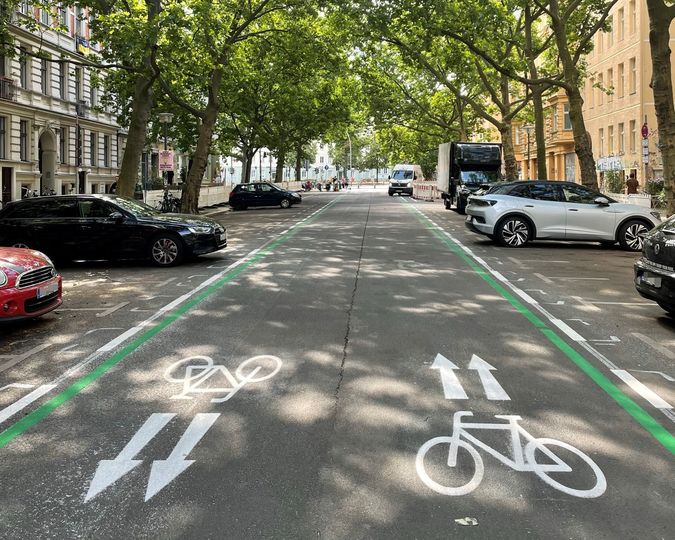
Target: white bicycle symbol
<point>523,458</point>
<point>199,375</point>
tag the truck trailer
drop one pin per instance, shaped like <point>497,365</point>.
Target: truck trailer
<point>465,167</point>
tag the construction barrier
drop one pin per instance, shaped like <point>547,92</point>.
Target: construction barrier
<point>425,191</point>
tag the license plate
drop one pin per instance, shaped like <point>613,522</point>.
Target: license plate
<point>652,281</point>
<point>47,290</point>
<point>222,237</point>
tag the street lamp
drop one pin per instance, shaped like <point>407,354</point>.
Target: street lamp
<point>350,158</point>
<point>529,128</point>
<point>165,119</point>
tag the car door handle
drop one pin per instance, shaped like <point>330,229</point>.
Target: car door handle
<point>529,206</point>
<point>573,209</point>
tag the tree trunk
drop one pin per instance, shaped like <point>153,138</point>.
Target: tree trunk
<point>245,165</point>
<point>298,164</point>
<point>539,132</point>
<point>193,183</point>
<point>279,175</point>
<point>571,76</point>
<point>660,17</point>
<point>510,163</point>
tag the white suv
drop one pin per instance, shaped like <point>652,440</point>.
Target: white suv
<point>516,212</point>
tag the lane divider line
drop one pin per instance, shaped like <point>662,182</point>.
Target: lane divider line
<point>171,313</point>
<point>646,420</point>
<point>641,389</point>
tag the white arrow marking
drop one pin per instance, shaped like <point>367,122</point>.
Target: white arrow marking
<point>581,321</point>
<point>612,339</point>
<point>452,388</point>
<point>661,373</point>
<point>493,390</point>
<point>110,471</point>
<point>165,471</point>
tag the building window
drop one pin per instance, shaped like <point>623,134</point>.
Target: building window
<point>78,84</point>
<point>92,148</point>
<point>601,141</point>
<point>622,139</point>
<point>610,84</point>
<point>63,80</point>
<point>63,17</point>
<point>23,68</point>
<point>621,83</point>
<point>633,136</point>
<point>79,16</point>
<point>591,94</point>
<point>106,150</point>
<point>610,140</point>
<point>632,17</point>
<point>79,146</point>
<point>23,140</point>
<point>24,7</point>
<point>63,144</point>
<point>44,76</point>
<point>3,136</point>
<point>601,89</point>
<point>94,95</point>
<point>610,34</point>
<point>601,41</point>
<point>632,76</point>
<point>45,17</point>
<point>621,23</point>
<point>567,123</point>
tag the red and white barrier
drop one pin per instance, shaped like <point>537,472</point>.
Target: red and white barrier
<point>425,191</point>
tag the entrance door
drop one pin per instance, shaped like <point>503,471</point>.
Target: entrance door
<point>47,163</point>
<point>81,182</point>
<point>570,168</point>
<point>6,184</point>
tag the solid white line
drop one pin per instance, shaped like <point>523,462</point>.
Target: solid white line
<point>544,279</point>
<point>656,346</point>
<point>641,389</point>
<point>569,332</point>
<point>22,403</point>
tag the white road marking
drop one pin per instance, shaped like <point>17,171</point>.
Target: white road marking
<point>163,472</point>
<point>660,373</point>
<point>586,304</point>
<point>22,403</point>
<point>641,389</point>
<point>566,278</point>
<point>110,471</point>
<point>549,281</point>
<point>568,330</point>
<point>452,388</point>
<point>100,330</point>
<point>165,282</point>
<point>581,321</point>
<point>104,313</point>
<point>493,390</point>
<point>537,290</point>
<point>656,346</point>
<point>15,359</point>
<point>622,303</point>
<point>612,339</point>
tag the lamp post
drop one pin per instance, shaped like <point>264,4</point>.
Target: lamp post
<point>529,128</point>
<point>260,156</point>
<point>350,158</point>
<point>165,119</point>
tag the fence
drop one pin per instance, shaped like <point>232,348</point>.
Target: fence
<point>425,191</point>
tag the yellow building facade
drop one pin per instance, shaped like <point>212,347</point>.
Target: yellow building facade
<point>618,102</point>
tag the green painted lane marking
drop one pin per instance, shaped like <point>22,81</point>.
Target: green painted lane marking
<point>661,434</point>
<point>71,391</point>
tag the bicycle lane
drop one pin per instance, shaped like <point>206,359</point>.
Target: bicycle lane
<point>116,459</point>
<point>444,341</point>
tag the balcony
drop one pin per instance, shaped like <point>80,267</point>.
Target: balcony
<point>7,89</point>
<point>81,108</point>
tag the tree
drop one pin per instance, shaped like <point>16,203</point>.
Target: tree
<point>661,15</point>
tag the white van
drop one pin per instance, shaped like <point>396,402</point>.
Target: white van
<point>402,178</point>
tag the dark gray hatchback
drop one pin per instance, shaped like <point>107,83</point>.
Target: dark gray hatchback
<point>109,227</point>
<point>655,270</point>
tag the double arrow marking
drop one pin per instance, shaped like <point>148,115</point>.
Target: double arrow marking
<point>453,389</point>
<point>164,471</point>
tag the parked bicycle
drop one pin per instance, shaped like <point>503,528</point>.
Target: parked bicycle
<point>168,203</point>
<point>535,455</point>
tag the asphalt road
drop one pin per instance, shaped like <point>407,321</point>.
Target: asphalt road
<point>307,382</point>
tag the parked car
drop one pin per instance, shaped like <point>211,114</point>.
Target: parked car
<point>262,194</point>
<point>515,213</point>
<point>29,284</point>
<point>655,270</point>
<point>109,227</point>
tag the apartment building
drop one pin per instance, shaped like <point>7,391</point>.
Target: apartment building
<point>618,102</point>
<point>54,135</point>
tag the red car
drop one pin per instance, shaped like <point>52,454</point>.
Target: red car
<point>29,284</point>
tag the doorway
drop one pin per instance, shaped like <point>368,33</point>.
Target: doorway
<point>6,184</point>
<point>47,162</point>
<point>82,182</point>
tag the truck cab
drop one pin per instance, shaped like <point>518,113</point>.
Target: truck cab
<point>402,178</point>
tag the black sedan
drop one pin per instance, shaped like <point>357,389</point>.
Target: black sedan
<point>95,227</point>
<point>262,194</point>
<point>655,271</point>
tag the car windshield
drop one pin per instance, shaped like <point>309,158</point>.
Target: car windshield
<point>500,189</point>
<point>137,208</point>
<point>402,175</point>
<point>479,177</point>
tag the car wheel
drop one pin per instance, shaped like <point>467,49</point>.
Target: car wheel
<point>667,308</point>
<point>285,203</point>
<point>631,235</point>
<point>166,250</point>
<point>446,202</point>
<point>513,231</point>
<point>21,244</point>
<point>461,205</point>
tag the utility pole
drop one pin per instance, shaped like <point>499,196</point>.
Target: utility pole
<point>350,158</point>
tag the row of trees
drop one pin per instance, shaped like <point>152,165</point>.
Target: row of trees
<point>400,76</point>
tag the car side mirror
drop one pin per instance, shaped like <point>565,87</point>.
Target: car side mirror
<point>601,201</point>
<point>116,216</point>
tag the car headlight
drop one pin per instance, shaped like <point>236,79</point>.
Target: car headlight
<point>199,229</point>
<point>3,279</point>
<point>656,215</point>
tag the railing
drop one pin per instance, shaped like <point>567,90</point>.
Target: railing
<point>7,89</point>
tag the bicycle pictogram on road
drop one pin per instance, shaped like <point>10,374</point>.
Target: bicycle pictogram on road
<point>198,375</point>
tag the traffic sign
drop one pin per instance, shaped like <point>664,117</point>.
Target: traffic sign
<point>645,130</point>
<point>165,160</point>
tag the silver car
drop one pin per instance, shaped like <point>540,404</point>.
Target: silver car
<point>516,212</point>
